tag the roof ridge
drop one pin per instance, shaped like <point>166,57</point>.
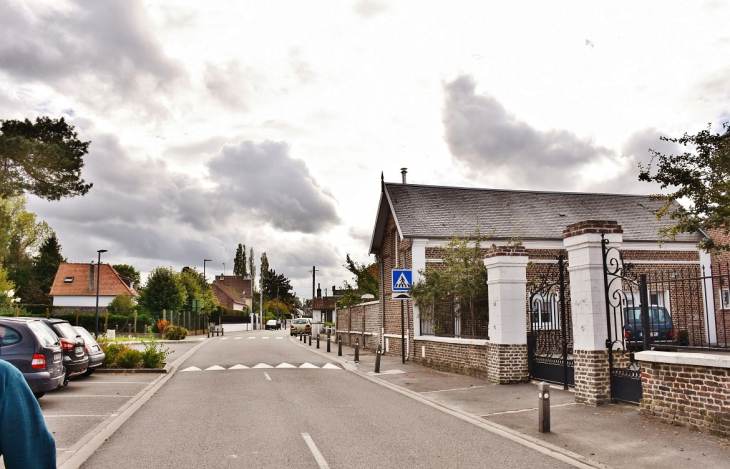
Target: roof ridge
<point>526,191</point>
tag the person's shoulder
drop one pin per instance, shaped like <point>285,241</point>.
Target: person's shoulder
<point>7,369</point>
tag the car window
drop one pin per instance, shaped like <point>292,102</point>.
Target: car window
<point>300,321</point>
<point>8,336</point>
<point>84,334</point>
<point>45,334</point>
<point>66,330</point>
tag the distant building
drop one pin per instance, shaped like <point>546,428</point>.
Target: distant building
<point>233,291</point>
<point>75,286</point>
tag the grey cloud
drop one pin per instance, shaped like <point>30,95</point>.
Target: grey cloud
<point>91,48</point>
<point>369,8</point>
<point>483,136</point>
<point>270,186</point>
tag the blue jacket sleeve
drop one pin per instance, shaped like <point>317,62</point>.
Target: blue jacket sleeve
<point>25,441</point>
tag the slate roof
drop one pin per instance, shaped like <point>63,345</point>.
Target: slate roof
<point>221,290</point>
<point>445,212</point>
<point>110,283</point>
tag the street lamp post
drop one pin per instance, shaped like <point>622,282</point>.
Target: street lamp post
<point>204,261</point>
<point>224,269</point>
<point>98,279</point>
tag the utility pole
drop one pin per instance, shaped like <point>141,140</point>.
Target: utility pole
<point>313,276</point>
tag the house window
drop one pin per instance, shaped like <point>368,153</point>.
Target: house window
<point>68,280</point>
<point>724,299</point>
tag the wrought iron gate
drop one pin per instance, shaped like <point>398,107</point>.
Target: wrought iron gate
<point>627,317</point>
<point>550,341</point>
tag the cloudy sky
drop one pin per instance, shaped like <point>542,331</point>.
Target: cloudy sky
<point>268,123</point>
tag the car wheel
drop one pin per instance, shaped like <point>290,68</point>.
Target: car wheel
<point>89,372</point>
<point>38,395</point>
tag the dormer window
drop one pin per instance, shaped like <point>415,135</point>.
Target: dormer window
<point>68,280</point>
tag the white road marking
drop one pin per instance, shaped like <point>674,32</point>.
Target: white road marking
<point>214,368</point>
<point>224,338</point>
<point>251,338</point>
<point>191,368</point>
<point>315,451</point>
<point>330,366</point>
<point>75,415</point>
<point>238,338</point>
<point>279,337</point>
<point>268,378</point>
<point>527,410</point>
<point>263,365</point>
<point>285,365</point>
<point>308,365</point>
<point>265,338</point>
<point>238,367</point>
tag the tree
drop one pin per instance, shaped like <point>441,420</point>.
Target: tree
<point>462,274</point>
<point>122,304</point>
<point>163,290</point>
<point>197,288</point>
<point>264,272</point>
<point>47,263</point>
<point>239,262</point>
<point>128,271</point>
<point>43,158</point>
<point>252,269</point>
<point>701,178</point>
<point>366,281</point>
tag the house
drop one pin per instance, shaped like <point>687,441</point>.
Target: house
<point>233,291</point>
<point>512,335</point>
<point>74,286</point>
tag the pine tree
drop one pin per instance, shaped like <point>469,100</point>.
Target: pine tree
<point>47,263</point>
<point>264,271</point>
<point>237,261</point>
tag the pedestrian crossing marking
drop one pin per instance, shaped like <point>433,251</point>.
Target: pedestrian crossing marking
<point>238,367</point>
<point>285,365</point>
<point>191,368</point>
<point>251,338</point>
<point>214,368</point>
<point>263,365</point>
<point>238,338</point>
<point>265,338</point>
<point>224,338</point>
<point>279,338</point>
<point>330,366</point>
<point>308,365</point>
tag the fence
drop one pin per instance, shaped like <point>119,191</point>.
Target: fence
<point>468,319</point>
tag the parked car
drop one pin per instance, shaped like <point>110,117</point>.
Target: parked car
<point>273,324</point>
<point>661,328</point>
<point>35,350</point>
<point>74,354</point>
<point>93,350</point>
<point>300,326</point>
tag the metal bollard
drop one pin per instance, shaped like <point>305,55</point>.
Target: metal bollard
<point>317,340</point>
<point>377,358</point>
<point>339,345</point>
<point>310,340</point>
<point>543,397</point>
<point>328,342</point>
<point>357,351</point>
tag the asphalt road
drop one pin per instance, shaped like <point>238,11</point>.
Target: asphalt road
<point>304,411</point>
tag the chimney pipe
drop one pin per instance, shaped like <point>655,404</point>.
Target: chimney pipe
<point>403,172</point>
<point>91,277</point>
<point>319,291</point>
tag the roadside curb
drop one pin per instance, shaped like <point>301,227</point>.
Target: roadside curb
<point>76,455</point>
<point>548,449</point>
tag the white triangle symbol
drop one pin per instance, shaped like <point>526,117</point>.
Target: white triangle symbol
<point>191,368</point>
<point>214,368</point>
<point>238,367</point>
<point>402,282</point>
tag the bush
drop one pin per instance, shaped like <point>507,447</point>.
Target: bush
<point>175,333</point>
<point>112,351</point>
<point>129,358</point>
<point>153,355</point>
<point>160,326</point>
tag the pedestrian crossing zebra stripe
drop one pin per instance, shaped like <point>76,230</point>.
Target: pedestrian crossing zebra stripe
<point>327,366</point>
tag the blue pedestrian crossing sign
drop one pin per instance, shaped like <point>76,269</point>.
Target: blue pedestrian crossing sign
<point>402,281</point>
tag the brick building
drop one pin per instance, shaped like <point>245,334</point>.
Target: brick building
<point>414,222</point>
<point>232,291</point>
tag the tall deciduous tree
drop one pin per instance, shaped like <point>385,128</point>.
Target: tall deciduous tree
<point>252,269</point>
<point>239,262</point>
<point>701,177</point>
<point>197,288</point>
<point>43,158</point>
<point>163,290</point>
<point>264,271</point>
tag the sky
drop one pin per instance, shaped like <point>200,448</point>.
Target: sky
<point>269,123</point>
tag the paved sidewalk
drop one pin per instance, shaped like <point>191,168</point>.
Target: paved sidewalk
<point>607,436</point>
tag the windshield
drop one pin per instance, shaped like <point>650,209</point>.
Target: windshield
<point>45,335</point>
<point>300,321</point>
<point>66,330</point>
<point>85,335</point>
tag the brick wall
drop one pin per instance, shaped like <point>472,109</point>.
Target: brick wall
<point>350,322</point>
<point>691,396</point>
<point>464,359</point>
<point>592,377</point>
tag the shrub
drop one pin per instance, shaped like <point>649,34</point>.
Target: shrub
<point>112,351</point>
<point>153,355</point>
<point>175,333</point>
<point>161,326</point>
<point>129,358</point>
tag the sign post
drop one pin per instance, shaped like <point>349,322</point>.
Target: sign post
<point>402,281</point>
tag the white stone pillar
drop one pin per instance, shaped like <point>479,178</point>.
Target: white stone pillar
<point>507,286</point>
<point>582,240</point>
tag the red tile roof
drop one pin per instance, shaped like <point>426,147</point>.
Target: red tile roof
<point>110,283</point>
